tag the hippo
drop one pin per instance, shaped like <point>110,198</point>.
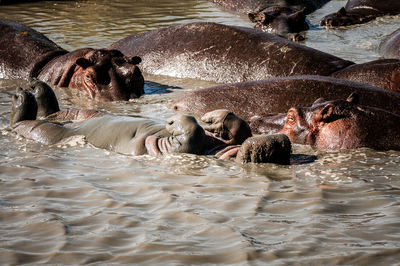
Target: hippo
<point>247,6</point>
<point>283,18</point>
<point>390,46</point>
<point>383,73</point>
<point>223,133</point>
<point>281,21</point>
<point>343,124</point>
<point>360,11</point>
<point>258,99</point>
<point>100,74</point>
<point>224,54</point>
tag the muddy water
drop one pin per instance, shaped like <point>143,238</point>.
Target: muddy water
<point>72,203</point>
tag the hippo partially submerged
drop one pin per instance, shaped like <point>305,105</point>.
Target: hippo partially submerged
<point>223,135</point>
<point>390,46</point>
<point>277,95</point>
<point>100,74</point>
<point>343,124</point>
<point>383,73</point>
<point>361,11</point>
<point>221,53</point>
<point>281,17</point>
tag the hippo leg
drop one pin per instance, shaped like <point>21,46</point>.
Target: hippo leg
<point>265,149</point>
<point>24,106</point>
<point>45,97</point>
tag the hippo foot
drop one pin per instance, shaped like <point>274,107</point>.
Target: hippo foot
<point>24,106</point>
<point>342,18</point>
<point>265,149</point>
<point>227,126</point>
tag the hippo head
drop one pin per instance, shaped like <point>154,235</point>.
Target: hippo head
<point>107,75</point>
<point>186,136</point>
<point>280,21</point>
<point>331,125</point>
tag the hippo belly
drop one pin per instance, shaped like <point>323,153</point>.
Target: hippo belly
<point>221,53</point>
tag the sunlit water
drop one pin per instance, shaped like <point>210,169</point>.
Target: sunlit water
<point>72,203</point>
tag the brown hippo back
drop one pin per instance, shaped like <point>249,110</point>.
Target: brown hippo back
<point>21,47</point>
<point>390,47</point>
<point>277,95</point>
<point>384,73</point>
<point>221,53</point>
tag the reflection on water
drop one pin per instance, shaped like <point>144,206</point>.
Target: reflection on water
<point>72,203</point>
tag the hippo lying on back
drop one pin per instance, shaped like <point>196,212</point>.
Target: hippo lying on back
<point>225,134</point>
<point>220,53</point>
<point>361,11</point>
<point>100,74</point>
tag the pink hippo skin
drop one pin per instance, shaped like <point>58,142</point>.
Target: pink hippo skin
<point>343,124</point>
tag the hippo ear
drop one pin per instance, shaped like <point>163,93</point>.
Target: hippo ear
<point>341,12</point>
<point>353,98</point>
<point>326,113</point>
<point>134,60</point>
<point>253,17</point>
<point>83,62</point>
<point>298,16</point>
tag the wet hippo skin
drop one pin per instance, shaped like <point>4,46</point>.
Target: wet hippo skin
<point>258,99</point>
<point>100,74</point>
<point>390,46</point>
<point>361,11</point>
<point>222,135</point>
<point>343,124</point>
<point>220,53</point>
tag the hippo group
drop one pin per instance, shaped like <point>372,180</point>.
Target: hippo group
<point>274,92</point>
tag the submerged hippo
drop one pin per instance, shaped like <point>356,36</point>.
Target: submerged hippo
<point>104,75</point>
<point>221,53</point>
<point>225,135</point>
<point>258,99</point>
<point>361,11</point>
<point>390,46</point>
<point>281,17</point>
<point>384,73</point>
<point>343,124</point>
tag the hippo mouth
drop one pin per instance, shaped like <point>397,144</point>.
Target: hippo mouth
<point>157,146</point>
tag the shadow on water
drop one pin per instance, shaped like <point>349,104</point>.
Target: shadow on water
<point>151,87</point>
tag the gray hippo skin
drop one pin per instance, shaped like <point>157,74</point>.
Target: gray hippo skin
<point>390,46</point>
<point>343,124</point>
<point>221,53</point>
<point>104,75</point>
<point>361,11</point>
<point>384,73</point>
<point>258,99</point>
<point>224,134</point>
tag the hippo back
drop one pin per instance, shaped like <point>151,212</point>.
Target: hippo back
<point>222,53</point>
<point>266,97</point>
<point>373,7</point>
<point>390,46</point>
<point>21,48</point>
